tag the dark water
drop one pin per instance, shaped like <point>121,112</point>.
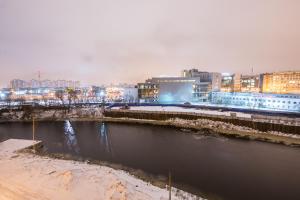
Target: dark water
<point>214,166</point>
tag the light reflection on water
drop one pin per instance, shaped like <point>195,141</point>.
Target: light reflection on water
<point>70,137</point>
<point>231,169</point>
<point>104,139</point>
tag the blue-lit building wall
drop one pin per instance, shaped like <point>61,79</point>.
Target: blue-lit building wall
<point>169,90</point>
<point>281,102</point>
<point>175,92</point>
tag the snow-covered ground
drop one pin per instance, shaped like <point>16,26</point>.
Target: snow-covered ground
<point>89,112</point>
<point>208,104</point>
<point>226,126</point>
<point>182,109</point>
<point>26,176</point>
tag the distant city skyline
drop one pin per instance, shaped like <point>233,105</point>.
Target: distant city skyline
<point>42,79</point>
<point>103,42</point>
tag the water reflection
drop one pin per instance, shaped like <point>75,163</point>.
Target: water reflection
<point>233,169</point>
<point>104,138</point>
<point>70,137</point>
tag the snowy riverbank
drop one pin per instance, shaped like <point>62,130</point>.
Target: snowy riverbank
<point>185,110</point>
<point>220,113</point>
<point>205,126</point>
<point>227,126</point>
<point>51,114</point>
<point>31,177</point>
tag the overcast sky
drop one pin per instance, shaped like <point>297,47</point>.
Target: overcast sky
<point>112,41</point>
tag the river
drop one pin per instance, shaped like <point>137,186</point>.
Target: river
<point>212,166</point>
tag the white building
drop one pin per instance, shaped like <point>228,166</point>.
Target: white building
<point>280,102</point>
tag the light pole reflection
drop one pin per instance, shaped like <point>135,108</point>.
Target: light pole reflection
<point>70,137</point>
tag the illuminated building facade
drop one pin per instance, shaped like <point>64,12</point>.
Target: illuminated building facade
<point>277,91</point>
<point>30,94</point>
<point>251,83</point>
<point>119,93</point>
<point>202,91</point>
<point>209,81</point>
<point>148,92</point>
<point>281,82</point>
<point>280,102</point>
<point>4,93</point>
<point>230,82</point>
<point>169,90</point>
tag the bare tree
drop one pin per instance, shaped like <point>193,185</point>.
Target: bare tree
<point>9,100</point>
<point>72,96</point>
<point>21,100</point>
<point>59,94</point>
<point>45,100</point>
<point>36,101</point>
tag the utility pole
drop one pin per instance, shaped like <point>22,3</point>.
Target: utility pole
<point>33,133</point>
<point>39,75</point>
<point>33,129</point>
<point>170,187</point>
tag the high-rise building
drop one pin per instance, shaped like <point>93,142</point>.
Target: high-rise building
<point>237,82</point>
<point>191,73</point>
<point>230,82</point>
<point>212,78</point>
<point>17,83</point>
<point>282,82</point>
<point>209,81</point>
<point>251,83</point>
<point>216,79</point>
